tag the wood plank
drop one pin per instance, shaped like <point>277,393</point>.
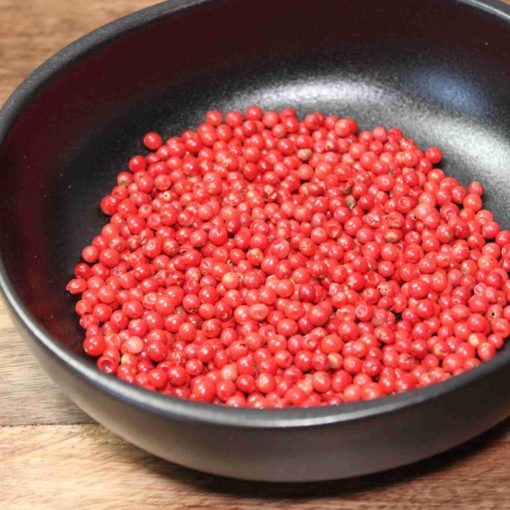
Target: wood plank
<point>85,466</point>
<point>27,394</point>
<point>30,32</point>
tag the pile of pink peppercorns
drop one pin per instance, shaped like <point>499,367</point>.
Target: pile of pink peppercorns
<point>264,261</point>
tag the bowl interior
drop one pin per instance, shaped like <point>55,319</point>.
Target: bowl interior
<point>438,70</point>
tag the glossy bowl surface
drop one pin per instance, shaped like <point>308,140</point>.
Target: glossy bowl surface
<point>439,70</point>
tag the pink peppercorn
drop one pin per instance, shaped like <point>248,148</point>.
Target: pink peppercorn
<point>265,261</point>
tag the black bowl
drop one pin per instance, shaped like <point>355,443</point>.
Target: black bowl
<point>438,69</point>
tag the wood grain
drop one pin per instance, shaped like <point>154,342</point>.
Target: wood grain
<point>27,394</point>
<point>85,466</point>
<point>51,454</point>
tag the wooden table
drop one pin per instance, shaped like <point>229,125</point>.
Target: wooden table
<point>54,456</point>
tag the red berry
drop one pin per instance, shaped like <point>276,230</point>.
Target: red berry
<point>265,261</point>
<point>152,141</point>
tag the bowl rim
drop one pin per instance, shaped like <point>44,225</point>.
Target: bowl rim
<point>173,407</point>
